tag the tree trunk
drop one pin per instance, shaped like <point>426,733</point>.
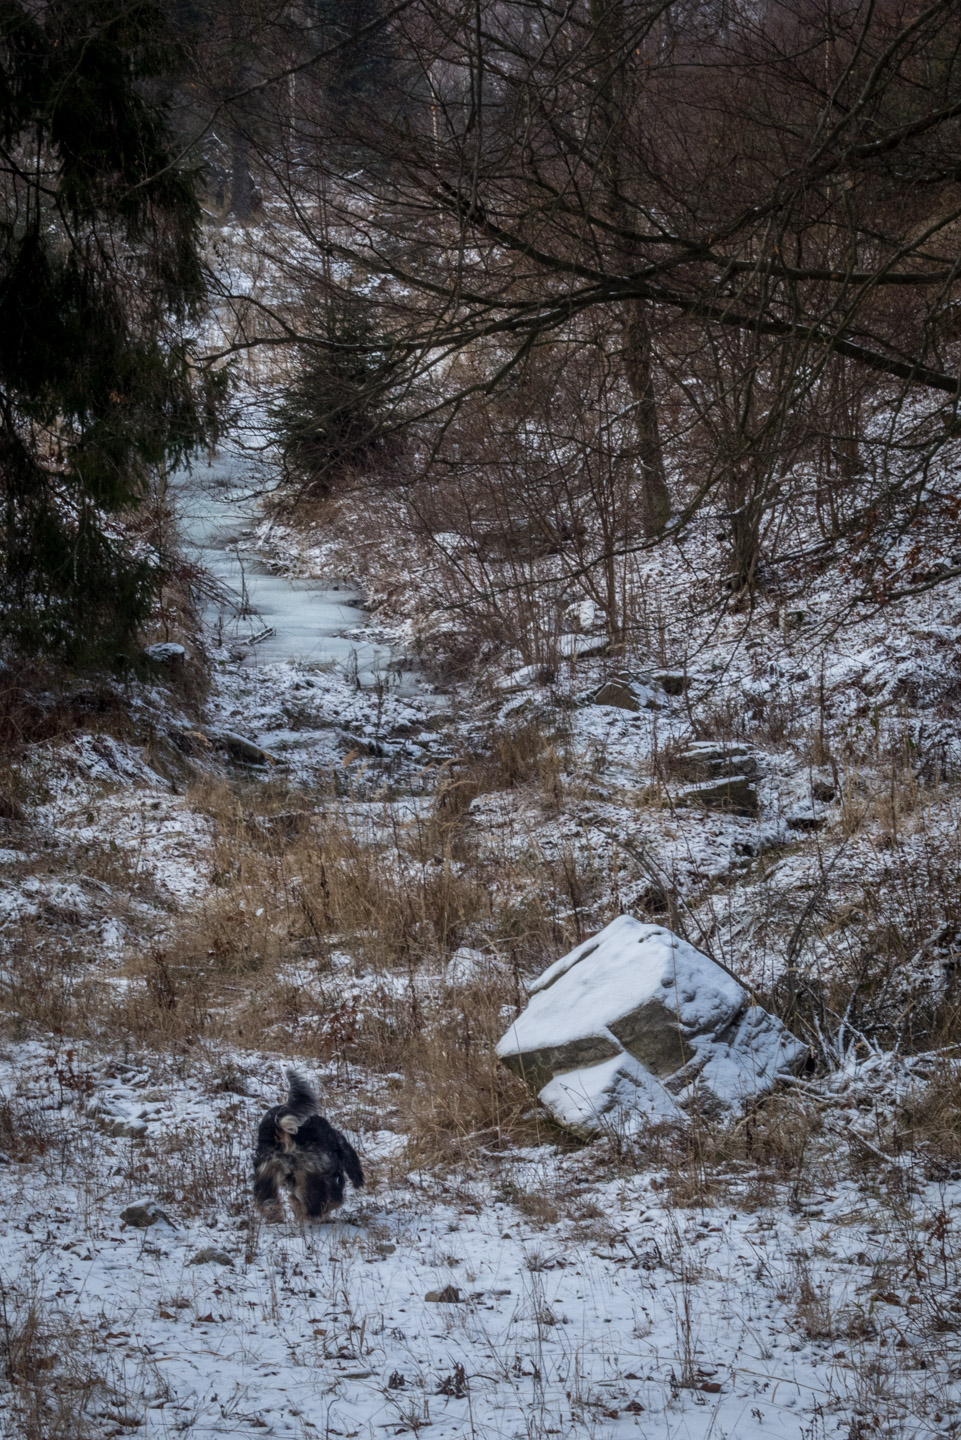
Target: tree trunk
<point>745,548</point>
<point>241,180</point>
<point>607,17</point>
<point>746,498</point>
<point>638,356</point>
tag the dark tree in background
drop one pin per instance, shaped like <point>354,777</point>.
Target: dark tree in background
<point>335,413</point>
<point>99,273</point>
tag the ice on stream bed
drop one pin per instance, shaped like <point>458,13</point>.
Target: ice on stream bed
<point>288,618</point>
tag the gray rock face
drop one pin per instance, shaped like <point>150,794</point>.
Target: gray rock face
<point>650,1034</point>
<point>619,694</point>
<point>625,692</point>
<point>580,616</point>
<point>736,796</point>
<point>168,657</point>
<point>211,1256</point>
<point>710,760</point>
<point>636,1025</point>
<point>239,749</point>
<point>721,776</point>
<point>142,1216</point>
<point>538,1065</point>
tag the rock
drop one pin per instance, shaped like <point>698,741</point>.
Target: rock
<point>211,1256</point>
<point>806,824</point>
<point>722,772</point>
<point>142,1216</point>
<point>672,682</point>
<point>168,657</point>
<point>132,1129</point>
<point>576,647</point>
<point>712,760</point>
<point>736,796</point>
<point>239,749</point>
<point>636,1025</point>
<point>619,694</point>
<point>538,1064</point>
<point>625,692</point>
<point>450,1295</point>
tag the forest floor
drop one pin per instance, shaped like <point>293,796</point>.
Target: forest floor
<point>178,924</point>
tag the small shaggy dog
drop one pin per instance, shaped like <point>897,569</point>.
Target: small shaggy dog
<point>298,1150</point>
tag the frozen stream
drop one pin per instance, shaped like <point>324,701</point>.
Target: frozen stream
<point>266,616</point>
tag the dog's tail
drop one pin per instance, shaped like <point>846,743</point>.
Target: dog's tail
<point>350,1162</point>
<point>300,1097</point>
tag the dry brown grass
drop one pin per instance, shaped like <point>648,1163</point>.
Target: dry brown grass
<point>929,1121</point>
<point>24,1133</point>
<point>298,884</point>
<point>777,1148</point>
<point>325,932</point>
<point>59,1387</point>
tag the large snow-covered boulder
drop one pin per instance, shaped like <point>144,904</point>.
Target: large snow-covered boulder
<point>636,1025</point>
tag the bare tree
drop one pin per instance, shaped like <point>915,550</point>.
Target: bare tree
<point>754,204</point>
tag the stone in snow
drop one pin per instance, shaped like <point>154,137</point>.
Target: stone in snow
<point>625,692</point>
<point>211,1256</point>
<point>166,650</point>
<point>714,760</point>
<point>635,1025</point>
<point>145,1214</point>
<point>240,749</point>
<point>571,646</point>
<point>724,776</point>
<point>734,795</point>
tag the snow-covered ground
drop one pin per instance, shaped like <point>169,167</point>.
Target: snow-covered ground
<point>801,1283</point>
<point>581,1299</point>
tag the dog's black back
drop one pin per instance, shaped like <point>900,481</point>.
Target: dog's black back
<point>300,1151</point>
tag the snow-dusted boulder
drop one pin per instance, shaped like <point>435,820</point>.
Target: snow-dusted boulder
<point>167,656</point>
<point>724,776</point>
<point>625,692</point>
<point>636,1025</point>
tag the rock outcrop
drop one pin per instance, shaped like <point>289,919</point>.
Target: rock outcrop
<point>721,777</point>
<point>167,657</point>
<point>241,750</point>
<point>625,692</point>
<point>636,1025</point>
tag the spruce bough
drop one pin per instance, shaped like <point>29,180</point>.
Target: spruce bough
<point>100,275</point>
